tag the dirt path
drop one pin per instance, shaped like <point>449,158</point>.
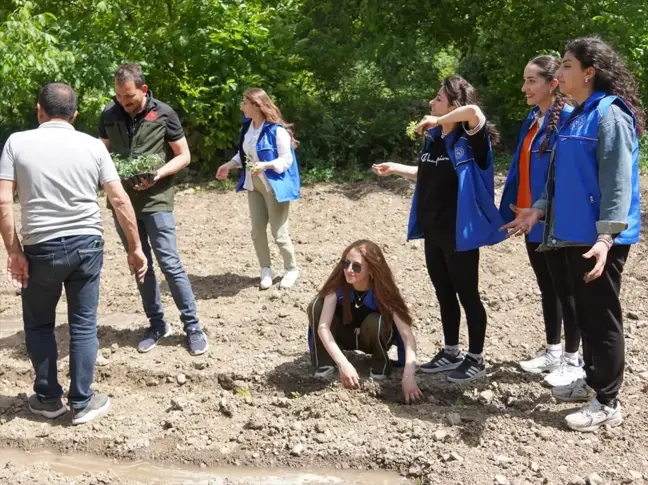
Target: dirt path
<point>252,401</point>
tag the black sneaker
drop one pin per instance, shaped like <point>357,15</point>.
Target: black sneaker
<point>468,371</point>
<point>98,405</point>
<point>151,339</point>
<point>50,410</point>
<point>197,342</point>
<point>442,362</point>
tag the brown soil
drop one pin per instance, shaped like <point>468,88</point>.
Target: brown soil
<point>252,401</point>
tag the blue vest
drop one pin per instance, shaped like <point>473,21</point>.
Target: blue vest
<point>285,185</point>
<point>538,167</point>
<point>370,302</point>
<point>478,220</point>
<point>576,195</point>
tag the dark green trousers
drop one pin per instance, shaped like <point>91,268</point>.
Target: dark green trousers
<point>373,337</point>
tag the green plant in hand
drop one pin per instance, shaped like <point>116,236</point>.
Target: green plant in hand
<point>129,166</point>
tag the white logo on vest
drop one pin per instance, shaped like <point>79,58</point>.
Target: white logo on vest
<point>459,152</point>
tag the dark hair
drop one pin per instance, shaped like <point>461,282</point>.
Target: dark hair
<point>130,72</point>
<point>612,75</point>
<point>548,66</point>
<point>58,100</point>
<point>461,93</point>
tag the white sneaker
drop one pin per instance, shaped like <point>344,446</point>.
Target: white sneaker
<point>546,362</point>
<point>266,278</point>
<point>289,278</point>
<point>594,415</point>
<point>577,391</point>
<point>566,373</point>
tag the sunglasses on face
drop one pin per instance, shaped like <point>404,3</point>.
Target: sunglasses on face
<point>354,267</point>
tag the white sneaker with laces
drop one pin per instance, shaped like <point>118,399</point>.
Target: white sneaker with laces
<point>566,373</point>
<point>289,278</point>
<point>577,391</point>
<point>594,415</point>
<point>545,362</point>
<point>266,278</point>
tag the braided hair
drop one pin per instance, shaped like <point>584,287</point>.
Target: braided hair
<point>461,93</point>
<point>547,68</point>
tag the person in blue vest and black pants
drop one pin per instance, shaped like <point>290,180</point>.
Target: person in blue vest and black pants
<point>266,153</point>
<point>453,209</point>
<point>525,184</point>
<point>591,209</point>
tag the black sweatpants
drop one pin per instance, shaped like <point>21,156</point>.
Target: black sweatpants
<point>558,307</point>
<point>600,318</point>
<point>455,277</point>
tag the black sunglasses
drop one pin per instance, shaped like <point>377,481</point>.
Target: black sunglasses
<point>355,267</point>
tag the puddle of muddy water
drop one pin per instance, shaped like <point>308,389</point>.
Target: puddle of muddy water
<point>158,474</point>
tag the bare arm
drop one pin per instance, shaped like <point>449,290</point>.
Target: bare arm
<point>471,114</point>
<point>324,330</point>
<point>182,157</point>
<point>106,141</point>
<point>391,168</point>
<point>411,391</point>
<point>124,211</point>
<point>7,223</point>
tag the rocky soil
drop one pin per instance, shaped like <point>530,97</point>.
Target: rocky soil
<point>252,400</point>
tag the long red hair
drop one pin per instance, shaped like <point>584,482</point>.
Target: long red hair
<point>386,292</point>
<point>270,111</point>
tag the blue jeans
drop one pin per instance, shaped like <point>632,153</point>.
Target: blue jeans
<point>73,262</point>
<point>158,236</point>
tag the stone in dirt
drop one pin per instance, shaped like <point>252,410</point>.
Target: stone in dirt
<point>635,475</point>
<point>501,480</point>
<point>454,419</point>
<point>576,480</point>
<point>114,347</point>
<point>454,456</point>
<point>182,379</point>
<point>297,450</point>
<point>440,435</point>
<point>594,479</point>
<point>486,397</point>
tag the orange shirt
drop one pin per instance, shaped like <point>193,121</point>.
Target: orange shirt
<point>524,189</point>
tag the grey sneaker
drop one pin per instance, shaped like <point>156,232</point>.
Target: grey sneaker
<point>197,342</point>
<point>151,339</point>
<point>50,410</point>
<point>325,371</point>
<point>98,405</point>
<point>577,391</point>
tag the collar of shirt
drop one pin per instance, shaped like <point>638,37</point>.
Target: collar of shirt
<point>57,124</point>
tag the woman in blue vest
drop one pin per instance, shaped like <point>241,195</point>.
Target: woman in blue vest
<point>360,308</point>
<point>270,176</point>
<point>591,210</point>
<point>454,211</point>
<point>525,184</point>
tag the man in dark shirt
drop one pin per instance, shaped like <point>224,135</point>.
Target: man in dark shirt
<point>137,124</point>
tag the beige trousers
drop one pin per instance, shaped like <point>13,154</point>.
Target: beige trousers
<point>264,208</point>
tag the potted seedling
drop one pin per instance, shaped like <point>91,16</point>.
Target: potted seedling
<point>135,169</point>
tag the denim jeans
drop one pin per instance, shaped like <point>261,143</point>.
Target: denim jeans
<point>158,236</point>
<point>73,262</point>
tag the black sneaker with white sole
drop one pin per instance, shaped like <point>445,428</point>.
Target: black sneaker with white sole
<point>443,361</point>
<point>152,337</point>
<point>469,370</point>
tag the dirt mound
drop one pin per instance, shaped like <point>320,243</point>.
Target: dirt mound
<point>252,401</point>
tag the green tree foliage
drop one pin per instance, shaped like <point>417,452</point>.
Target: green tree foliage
<point>351,74</point>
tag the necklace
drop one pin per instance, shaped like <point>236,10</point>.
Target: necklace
<point>359,300</point>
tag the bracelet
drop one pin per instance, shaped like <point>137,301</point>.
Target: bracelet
<point>607,240</point>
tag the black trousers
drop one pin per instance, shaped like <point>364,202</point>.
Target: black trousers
<point>558,307</point>
<point>455,277</point>
<point>600,318</point>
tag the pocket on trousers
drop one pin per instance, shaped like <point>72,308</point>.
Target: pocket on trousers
<point>41,267</point>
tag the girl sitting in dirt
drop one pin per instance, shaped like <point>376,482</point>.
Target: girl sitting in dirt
<point>360,308</point>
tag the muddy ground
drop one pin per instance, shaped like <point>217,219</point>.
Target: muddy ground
<point>252,401</point>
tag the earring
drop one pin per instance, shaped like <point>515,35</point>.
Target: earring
<point>586,79</point>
